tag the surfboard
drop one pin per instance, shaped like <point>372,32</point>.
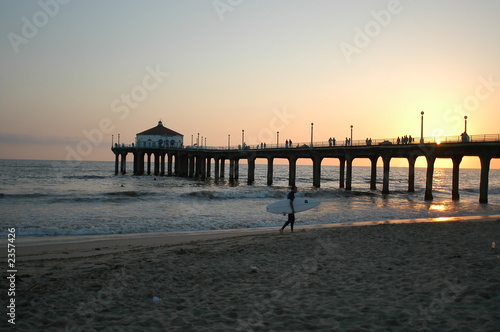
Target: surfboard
<point>299,204</point>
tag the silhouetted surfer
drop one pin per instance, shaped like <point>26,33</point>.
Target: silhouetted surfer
<point>291,216</point>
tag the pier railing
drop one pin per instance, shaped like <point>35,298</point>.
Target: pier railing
<point>338,143</point>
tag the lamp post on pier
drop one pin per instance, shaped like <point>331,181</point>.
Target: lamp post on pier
<point>351,135</point>
<point>242,138</point>
<point>277,139</point>
<point>465,119</point>
<point>422,128</point>
<point>228,141</point>
<point>312,134</point>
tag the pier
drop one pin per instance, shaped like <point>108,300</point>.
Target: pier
<point>197,161</point>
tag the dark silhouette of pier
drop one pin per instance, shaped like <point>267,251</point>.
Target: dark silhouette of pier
<point>196,161</point>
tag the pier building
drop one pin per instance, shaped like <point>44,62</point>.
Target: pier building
<point>159,137</point>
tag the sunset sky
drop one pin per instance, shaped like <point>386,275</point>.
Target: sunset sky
<point>82,71</point>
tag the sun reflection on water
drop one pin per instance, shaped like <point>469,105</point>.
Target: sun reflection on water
<point>443,219</point>
<point>439,207</point>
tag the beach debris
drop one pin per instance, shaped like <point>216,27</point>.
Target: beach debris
<point>156,299</point>
<point>181,251</point>
<point>253,269</point>
<point>493,245</point>
<point>33,288</point>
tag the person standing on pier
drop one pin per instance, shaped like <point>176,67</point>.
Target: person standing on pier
<point>291,216</point>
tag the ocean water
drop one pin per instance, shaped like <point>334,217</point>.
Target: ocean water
<point>56,198</point>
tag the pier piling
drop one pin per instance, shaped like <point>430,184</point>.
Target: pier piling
<point>385,181</point>
<point>483,186</point>
<point>429,176</point>
<point>373,173</point>
<point>455,195</point>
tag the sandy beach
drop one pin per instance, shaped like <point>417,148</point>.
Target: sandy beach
<point>434,276</point>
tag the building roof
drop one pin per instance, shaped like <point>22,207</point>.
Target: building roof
<point>160,130</point>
